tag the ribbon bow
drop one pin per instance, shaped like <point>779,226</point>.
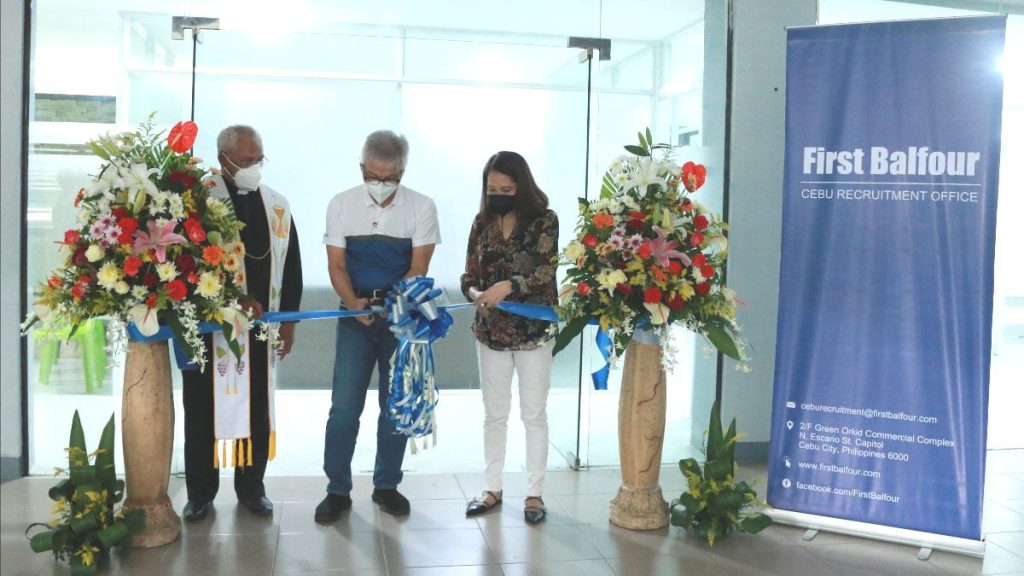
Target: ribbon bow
<point>417,321</point>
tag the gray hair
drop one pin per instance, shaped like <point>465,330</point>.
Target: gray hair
<point>228,137</point>
<point>386,147</point>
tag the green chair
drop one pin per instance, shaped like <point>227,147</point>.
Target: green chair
<point>92,341</point>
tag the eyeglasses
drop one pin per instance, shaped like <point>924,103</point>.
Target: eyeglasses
<point>371,178</point>
<point>261,161</point>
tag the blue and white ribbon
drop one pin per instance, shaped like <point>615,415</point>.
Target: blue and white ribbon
<point>417,321</point>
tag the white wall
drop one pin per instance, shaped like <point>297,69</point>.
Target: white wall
<point>12,18</point>
<point>755,189</point>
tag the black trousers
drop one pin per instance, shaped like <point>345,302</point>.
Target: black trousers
<point>201,478</point>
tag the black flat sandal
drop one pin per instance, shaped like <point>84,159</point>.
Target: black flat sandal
<point>483,503</point>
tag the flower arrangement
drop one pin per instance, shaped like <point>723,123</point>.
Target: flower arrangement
<point>714,504</point>
<point>645,254</point>
<point>152,246</point>
<point>87,526</point>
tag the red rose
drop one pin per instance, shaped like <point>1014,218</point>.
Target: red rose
<point>71,237</point>
<point>54,282</point>
<point>590,241</point>
<point>624,289</point>
<point>700,260</point>
<point>583,289</point>
<point>703,288</point>
<point>176,290</point>
<point>150,280</point>
<point>652,295</point>
<point>77,291</point>
<point>696,239</point>
<point>675,303</point>
<point>151,301</point>
<point>182,136</point>
<point>693,176</point>
<point>675,267</point>
<point>644,251</point>
<point>131,267</point>
<point>78,258</point>
<point>128,224</point>
<point>124,238</point>
<point>700,222</point>
<point>183,179</point>
<point>185,264</point>
<point>707,271</point>
<point>194,229</point>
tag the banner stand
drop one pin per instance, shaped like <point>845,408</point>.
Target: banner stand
<point>924,540</point>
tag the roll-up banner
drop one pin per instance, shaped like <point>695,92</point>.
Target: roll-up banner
<point>885,300</point>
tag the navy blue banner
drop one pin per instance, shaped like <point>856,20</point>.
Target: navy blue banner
<point>885,304</point>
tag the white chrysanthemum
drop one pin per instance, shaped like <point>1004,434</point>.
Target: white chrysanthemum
<point>176,206</point>
<point>609,278</point>
<point>166,271</point>
<point>139,292</point>
<point>574,250</point>
<point>209,285</point>
<point>158,202</point>
<point>95,253</point>
<point>121,287</point>
<point>108,275</point>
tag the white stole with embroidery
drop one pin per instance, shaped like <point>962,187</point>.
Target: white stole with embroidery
<point>231,378</point>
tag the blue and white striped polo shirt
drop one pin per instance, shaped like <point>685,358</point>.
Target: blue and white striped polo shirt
<point>378,242</point>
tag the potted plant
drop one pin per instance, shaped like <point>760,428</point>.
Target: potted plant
<point>715,505</point>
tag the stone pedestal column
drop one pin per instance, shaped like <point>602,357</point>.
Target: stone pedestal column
<point>639,505</point>
<point>147,428</point>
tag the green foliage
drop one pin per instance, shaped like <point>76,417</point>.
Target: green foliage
<point>86,526</point>
<point>715,505</point>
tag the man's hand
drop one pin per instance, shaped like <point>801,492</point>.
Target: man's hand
<point>252,306</point>
<point>361,304</point>
<point>285,338</point>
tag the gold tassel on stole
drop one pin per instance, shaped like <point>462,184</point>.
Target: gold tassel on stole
<point>272,448</point>
<point>216,455</point>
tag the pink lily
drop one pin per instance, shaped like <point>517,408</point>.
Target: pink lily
<point>662,249</point>
<point>158,239</point>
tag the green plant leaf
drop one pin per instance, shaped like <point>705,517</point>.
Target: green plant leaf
<point>721,339</point>
<point>571,330</point>
<point>76,444</point>
<point>689,465</point>
<point>649,140</point>
<point>715,439</point>
<point>755,523</point>
<point>681,516</point>
<point>636,150</point>
<point>718,469</point>
<point>105,457</point>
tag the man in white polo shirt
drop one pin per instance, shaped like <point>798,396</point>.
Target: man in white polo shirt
<point>377,234</point>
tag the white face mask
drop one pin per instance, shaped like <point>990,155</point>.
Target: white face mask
<point>380,191</point>
<point>248,179</point>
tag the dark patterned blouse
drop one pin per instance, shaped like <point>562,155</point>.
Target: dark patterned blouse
<point>528,258</point>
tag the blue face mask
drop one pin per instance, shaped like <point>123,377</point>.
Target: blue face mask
<point>500,203</point>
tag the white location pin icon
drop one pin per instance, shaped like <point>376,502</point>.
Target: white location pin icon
<point>789,424</point>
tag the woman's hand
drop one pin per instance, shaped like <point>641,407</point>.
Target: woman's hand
<point>492,296</point>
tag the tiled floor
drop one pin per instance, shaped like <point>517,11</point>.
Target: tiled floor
<point>437,539</point>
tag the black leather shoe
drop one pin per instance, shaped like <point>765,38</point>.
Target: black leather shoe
<point>196,511</point>
<point>260,505</point>
<point>483,503</point>
<point>331,507</point>
<point>534,510</point>
<point>391,501</point>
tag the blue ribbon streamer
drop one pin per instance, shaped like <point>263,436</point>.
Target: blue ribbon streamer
<point>600,376</point>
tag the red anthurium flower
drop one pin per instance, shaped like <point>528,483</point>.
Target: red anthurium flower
<point>700,260</point>
<point>194,229</point>
<point>131,267</point>
<point>675,267</point>
<point>71,237</point>
<point>675,303</point>
<point>693,176</point>
<point>652,295</point>
<point>707,271</point>
<point>182,136</point>
<point>151,301</point>
<point>583,289</point>
<point>696,239</point>
<point>700,222</point>
<point>176,290</point>
<point>703,288</point>
<point>590,241</point>
<point>624,289</point>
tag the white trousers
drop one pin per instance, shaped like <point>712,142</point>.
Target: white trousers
<point>534,370</point>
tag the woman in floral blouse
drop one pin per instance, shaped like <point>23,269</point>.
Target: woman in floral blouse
<point>512,256</point>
